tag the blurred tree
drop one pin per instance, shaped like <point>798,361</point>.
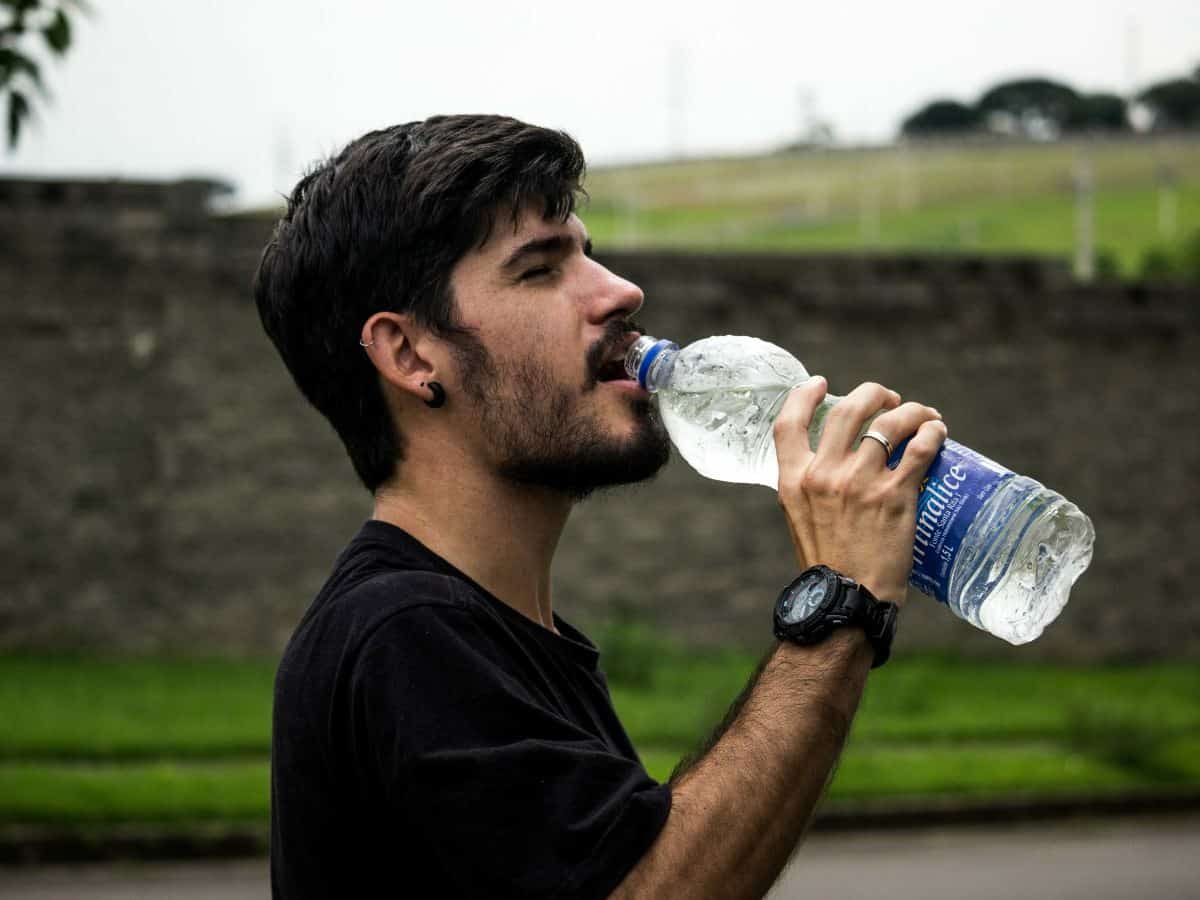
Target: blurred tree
<point>1107,265</point>
<point>1156,265</point>
<point>940,117</point>
<point>1034,107</point>
<point>22,23</point>
<point>1174,103</point>
<point>1098,112</point>
<point>1189,257</point>
<point>1177,261</point>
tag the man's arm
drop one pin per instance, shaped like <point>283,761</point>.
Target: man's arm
<point>739,811</point>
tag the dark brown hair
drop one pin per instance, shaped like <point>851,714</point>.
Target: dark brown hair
<point>380,226</point>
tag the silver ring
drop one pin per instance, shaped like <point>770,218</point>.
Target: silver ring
<point>876,436</point>
<point>362,344</point>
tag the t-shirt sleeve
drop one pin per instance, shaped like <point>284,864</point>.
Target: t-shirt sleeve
<point>510,797</point>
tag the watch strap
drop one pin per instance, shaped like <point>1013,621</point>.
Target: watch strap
<point>877,619</point>
<point>858,607</point>
<point>855,606</point>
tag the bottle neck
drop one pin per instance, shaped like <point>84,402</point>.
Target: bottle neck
<point>650,361</point>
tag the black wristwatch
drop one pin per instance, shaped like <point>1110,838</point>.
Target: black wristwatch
<point>821,601</point>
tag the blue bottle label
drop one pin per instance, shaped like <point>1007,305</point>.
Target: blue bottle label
<point>958,483</point>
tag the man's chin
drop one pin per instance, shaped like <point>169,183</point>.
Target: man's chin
<point>638,458</point>
<point>644,456</point>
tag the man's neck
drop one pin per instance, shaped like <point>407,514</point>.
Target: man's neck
<point>502,535</point>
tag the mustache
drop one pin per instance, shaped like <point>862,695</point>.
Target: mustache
<point>615,333</point>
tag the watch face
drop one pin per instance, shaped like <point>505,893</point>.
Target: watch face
<point>804,600</point>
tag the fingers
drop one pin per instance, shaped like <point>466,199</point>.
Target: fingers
<point>921,450</point>
<point>845,422</point>
<point>791,425</point>
<point>895,425</point>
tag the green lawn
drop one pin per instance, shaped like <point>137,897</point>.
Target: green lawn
<point>167,791</point>
<point>94,709</point>
<point>992,199</point>
<point>95,741</point>
<point>1125,226</point>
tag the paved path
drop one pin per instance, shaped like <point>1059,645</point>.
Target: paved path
<point>1126,861</point>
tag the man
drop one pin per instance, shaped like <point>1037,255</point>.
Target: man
<point>439,730</point>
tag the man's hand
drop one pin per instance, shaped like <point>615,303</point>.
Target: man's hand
<point>738,811</point>
<point>845,509</point>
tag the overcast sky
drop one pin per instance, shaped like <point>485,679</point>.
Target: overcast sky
<point>252,90</point>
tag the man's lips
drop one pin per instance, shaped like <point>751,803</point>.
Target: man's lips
<point>628,385</point>
<point>612,365</point>
<point>613,370</point>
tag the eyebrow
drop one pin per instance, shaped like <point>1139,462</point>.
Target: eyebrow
<point>555,243</point>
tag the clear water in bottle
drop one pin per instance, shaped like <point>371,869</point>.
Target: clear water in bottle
<point>1019,559</point>
<point>999,549</point>
<point>721,404</point>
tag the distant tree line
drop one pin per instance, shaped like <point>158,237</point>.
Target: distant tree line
<point>1044,109</point>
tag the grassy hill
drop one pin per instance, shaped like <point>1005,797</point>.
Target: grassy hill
<point>937,197</point>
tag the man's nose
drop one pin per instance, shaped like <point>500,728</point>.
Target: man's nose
<point>618,296</point>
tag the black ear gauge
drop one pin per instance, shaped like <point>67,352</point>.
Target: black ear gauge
<point>439,395</point>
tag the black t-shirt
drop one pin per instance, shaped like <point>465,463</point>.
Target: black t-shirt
<point>431,741</point>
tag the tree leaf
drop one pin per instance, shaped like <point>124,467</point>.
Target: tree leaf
<point>19,9</point>
<point>58,33</point>
<point>18,110</point>
<point>8,65</point>
<point>12,62</point>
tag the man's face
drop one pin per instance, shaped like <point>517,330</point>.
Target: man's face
<point>538,372</point>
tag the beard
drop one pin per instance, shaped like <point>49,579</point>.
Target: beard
<point>539,436</point>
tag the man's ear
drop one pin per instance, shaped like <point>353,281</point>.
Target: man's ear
<point>403,352</point>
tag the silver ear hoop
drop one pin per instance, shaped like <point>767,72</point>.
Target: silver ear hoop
<point>362,344</point>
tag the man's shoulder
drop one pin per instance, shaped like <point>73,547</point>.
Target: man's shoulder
<point>374,599</point>
<point>350,610</point>
<point>351,622</point>
<point>397,590</point>
<point>384,570</point>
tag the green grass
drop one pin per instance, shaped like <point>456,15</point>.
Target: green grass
<point>878,770</point>
<point>101,741</point>
<point>1125,224</point>
<point>838,183</point>
<point>934,699</point>
<point>872,771</point>
<point>993,199</point>
<point>133,708</point>
<point>986,722</point>
<point>42,793</point>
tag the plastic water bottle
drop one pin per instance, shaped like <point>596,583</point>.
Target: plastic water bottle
<point>999,549</point>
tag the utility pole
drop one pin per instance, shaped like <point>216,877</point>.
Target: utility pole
<point>868,210</point>
<point>1168,202</point>
<point>628,229</point>
<point>1085,225</point>
<point>908,196</point>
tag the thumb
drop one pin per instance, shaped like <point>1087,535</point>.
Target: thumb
<point>791,426</point>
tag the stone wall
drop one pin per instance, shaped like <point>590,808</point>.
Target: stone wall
<point>168,489</point>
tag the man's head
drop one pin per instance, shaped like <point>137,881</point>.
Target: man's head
<point>408,240</point>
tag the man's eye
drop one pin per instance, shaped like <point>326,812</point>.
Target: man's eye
<point>535,272</point>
